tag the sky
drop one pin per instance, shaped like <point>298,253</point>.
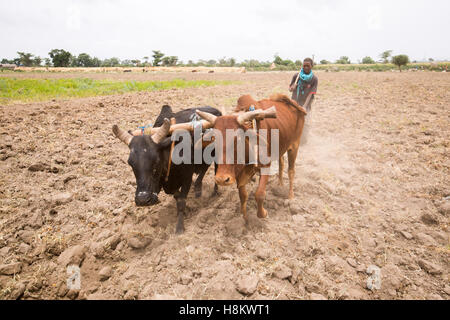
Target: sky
<point>244,29</point>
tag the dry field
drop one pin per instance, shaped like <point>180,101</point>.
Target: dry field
<point>372,188</point>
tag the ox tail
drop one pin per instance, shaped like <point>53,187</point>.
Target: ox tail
<point>278,97</point>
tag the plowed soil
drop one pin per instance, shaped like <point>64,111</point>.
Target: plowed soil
<point>371,189</point>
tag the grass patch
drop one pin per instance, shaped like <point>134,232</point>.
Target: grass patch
<point>29,90</point>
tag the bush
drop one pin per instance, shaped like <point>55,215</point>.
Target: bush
<point>343,60</point>
<point>368,60</point>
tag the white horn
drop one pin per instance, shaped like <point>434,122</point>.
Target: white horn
<point>162,132</point>
<point>207,116</point>
<point>122,135</point>
<point>257,114</point>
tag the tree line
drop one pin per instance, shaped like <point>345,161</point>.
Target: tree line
<point>63,58</point>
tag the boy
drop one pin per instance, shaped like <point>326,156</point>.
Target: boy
<point>304,85</point>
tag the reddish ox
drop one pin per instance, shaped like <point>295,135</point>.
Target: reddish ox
<point>290,119</point>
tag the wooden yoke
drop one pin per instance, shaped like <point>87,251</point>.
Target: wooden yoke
<point>173,128</point>
<point>187,126</point>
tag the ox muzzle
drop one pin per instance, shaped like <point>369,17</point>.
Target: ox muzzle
<point>146,199</point>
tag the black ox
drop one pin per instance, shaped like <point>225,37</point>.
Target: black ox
<point>149,158</point>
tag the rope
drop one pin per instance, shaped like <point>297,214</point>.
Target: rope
<point>145,127</point>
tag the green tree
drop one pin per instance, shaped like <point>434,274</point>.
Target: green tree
<point>136,62</point>
<point>282,62</point>
<point>343,60</point>
<point>48,62</point>
<point>400,60</point>
<point>12,61</point>
<point>368,60</point>
<point>60,57</point>
<point>96,62</point>
<point>37,61</point>
<point>201,63</point>
<point>278,60</point>
<point>232,62</point>
<point>126,63</point>
<point>84,60</point>
<point>288,62</point>
<point>170,61</point>
<point>385,56</point>
<point>113,62</point>
<point>26,59</point>
<point>324,62</point>
<point>157,57</point>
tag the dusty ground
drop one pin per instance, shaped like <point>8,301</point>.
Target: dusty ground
<point>372,188</point>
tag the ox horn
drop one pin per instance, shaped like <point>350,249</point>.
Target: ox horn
<point>122,135</point>
<point>257,114</point>
<point>162,132</point>
<point>207,116</point>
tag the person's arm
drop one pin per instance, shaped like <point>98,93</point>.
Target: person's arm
<point>293,82</point>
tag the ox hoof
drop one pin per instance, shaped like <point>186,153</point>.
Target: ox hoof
<point>262,214</point>
<point>179,230</point>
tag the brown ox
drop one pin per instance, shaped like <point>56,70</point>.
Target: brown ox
<point>290,119</point>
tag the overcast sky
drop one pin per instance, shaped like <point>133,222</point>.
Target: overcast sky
<point>201,29</point>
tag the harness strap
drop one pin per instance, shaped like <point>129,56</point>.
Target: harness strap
<point>255,147</point>
<point>172,122</point>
